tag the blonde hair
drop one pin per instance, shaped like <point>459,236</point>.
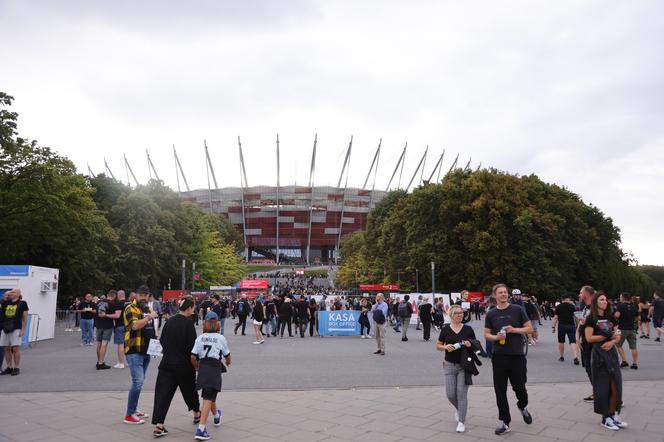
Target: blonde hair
<point>453,309</point>
<point>211,326</point>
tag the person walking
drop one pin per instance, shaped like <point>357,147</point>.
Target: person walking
<point>379,313</point>
<point>175,370</point>
<point>657,314</point>
<point>302,309</point>
<point>626,315</point>
<point>285,317</point>
<point>405,311</point>
<point>242,310</point>
<point>565,319</point>
<point>425,311</point>
<point>206,355</point>
<point>452,337</point>
<point>313,317</point>
<point>258,313</point>
<point>105,324</point>
<point>506,326</point>
<point>644,316</point>
<point>139,329</point>
<point>602,333</point>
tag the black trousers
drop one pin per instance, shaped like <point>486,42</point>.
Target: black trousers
<point>426,325</point>
<point>364,325</point>
<point>586,352</point>
<point>312,326</point>
<point>282,325</point>
<point>514,369</point>
<point>241,321</point>
<point>169,380</point>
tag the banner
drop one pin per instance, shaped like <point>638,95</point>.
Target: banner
<point>380,287</point>
<point>338,323</point>
<point>299,272</point>
<point>167,295</point>
<point>14,270</point>
<point>475,296</point>
<point>253,284</point>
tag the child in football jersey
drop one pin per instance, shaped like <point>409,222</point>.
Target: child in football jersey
<point>209,348</point>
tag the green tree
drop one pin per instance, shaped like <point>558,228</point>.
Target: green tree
<point>48,215</point>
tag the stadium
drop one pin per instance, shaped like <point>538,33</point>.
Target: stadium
<point>293,224</point>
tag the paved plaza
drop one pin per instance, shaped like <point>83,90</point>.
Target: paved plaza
<point>316,389</point>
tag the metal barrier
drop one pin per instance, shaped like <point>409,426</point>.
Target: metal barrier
<point>66,319</point>
<point>32,333</point>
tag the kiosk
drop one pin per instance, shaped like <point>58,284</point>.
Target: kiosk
<point>39,287</point>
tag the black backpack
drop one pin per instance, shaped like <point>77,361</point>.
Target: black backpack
<point>378,316</point>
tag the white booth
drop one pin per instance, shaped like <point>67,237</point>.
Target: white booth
<point>39,287</point>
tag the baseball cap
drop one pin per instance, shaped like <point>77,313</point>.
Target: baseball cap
<point>211,316</point>
<point>516,292</point>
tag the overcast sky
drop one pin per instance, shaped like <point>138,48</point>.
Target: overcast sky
<point>572,91</point>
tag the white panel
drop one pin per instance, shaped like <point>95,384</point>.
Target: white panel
<point>332,231</point>
<point>301,225</point>
<point>254,231</point>
<point>347,220</point>
<point>286,219</point>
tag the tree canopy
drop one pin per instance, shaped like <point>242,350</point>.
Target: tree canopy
<point>487,226</point>
<point>99,232</point>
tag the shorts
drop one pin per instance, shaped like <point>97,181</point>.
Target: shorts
<point>104,334</point>
<point>257,322</point>
<point>630,337</point>
<point>11,339</point>
<point>209,394</point>
<point>657,322</point>
<point>118,335</point>
<point>566,330</point>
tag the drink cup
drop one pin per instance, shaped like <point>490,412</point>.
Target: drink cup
<point>502,332</point>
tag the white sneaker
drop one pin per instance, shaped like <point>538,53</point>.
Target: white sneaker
<point>619,422</point>
<point>119,365</point>
<point>609,424</point>
<point>461,428</point>
<point>256,342</point>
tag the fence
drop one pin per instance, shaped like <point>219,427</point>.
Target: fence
<point>66,319</point>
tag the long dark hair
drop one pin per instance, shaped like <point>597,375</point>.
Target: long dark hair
<point>594,309</point>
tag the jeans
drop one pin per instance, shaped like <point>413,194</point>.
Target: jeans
<point>221,326</point>
<point>138,366</point>
<point>87,330</point>
<point>456,388</point>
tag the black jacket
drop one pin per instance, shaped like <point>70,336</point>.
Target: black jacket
<point>470,361</point>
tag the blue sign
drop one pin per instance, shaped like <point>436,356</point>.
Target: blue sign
<point>14,270</point>
<point>339,323</point>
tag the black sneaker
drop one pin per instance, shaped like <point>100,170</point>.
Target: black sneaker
<point>634,367</point>
<point>16,372</point>
<point>527,418</point>
<point>6,371</point>
<point>657,340</point>
<point>377,352</point>
<point>561,359</point>
<point>159,431</point>
<point>590,398</point>
<point>624,364</point>
<point>103,366</point>
<point>504,428</point>
<point>576,361</point>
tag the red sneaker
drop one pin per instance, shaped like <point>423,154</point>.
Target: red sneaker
<point>133,420</point>
<point>141,415</point>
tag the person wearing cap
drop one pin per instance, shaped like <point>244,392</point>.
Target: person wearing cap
<point>175,370</point>
<point>206,355</point>
<point>139,329</point>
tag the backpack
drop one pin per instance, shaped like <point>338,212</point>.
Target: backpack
<point>241,308</point>
<point>378,316</point>
<point>403,310</point>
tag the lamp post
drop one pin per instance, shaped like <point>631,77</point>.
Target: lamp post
<point>193,276</point>
<point>433,278</point>
<point>184,263</point>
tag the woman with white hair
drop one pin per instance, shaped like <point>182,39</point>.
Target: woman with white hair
<point>452,337</point>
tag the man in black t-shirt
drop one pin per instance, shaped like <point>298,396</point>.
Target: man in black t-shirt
<point>626,316</point>
<point>507,326</point>
<point>105,324</point>
<point>565,318</point>
<point>657,313</point>
<point>13,320</point>
<point>87,309</point>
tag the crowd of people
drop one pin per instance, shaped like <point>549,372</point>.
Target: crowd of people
<point>595,328</point>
